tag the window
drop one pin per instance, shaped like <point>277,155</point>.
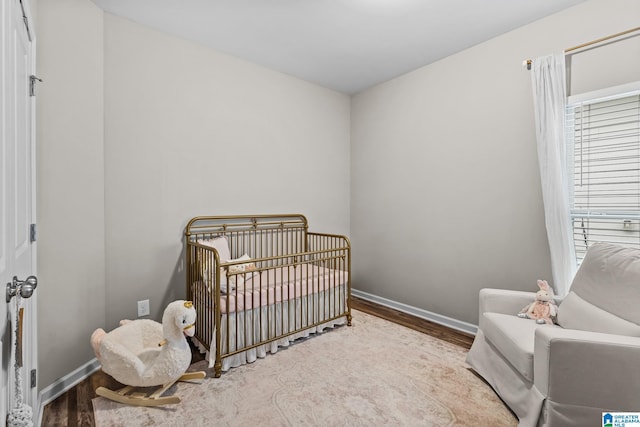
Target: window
<point>603,137</point>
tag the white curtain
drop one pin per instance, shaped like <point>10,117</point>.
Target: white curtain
<point>548,80</point>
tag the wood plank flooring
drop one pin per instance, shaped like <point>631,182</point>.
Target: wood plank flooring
<point>421,325</point>
<point>74,408</point>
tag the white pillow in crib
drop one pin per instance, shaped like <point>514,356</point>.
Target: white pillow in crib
<point>208,281</point>
<point>220,244</point>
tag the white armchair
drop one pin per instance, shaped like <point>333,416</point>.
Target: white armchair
<point>567,374</point>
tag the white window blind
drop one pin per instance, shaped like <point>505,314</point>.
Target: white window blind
<point>604,170</point>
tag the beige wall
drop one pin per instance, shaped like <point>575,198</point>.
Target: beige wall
<point>444,174</point>
<point>137,133</point>
<point>189,131</point>
<point>70,180</point>
<point>607,65</point>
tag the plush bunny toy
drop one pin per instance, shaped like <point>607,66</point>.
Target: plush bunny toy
<point>543,309</point>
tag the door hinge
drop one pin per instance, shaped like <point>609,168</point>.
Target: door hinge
<point>32,84</point>
<point>33,233</point>
<point>33,378</point>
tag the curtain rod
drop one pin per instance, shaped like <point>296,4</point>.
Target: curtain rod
<point>528,62</point>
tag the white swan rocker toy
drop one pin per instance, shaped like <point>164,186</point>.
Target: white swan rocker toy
<point>145,353</point>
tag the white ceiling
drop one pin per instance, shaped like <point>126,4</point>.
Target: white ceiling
<point>345,45</point>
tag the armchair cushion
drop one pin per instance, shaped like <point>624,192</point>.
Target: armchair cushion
<point>576,313</point>
<point>514,338</point>
<point>608,279</point>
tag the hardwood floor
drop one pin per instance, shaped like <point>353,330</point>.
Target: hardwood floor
<point>421,325</point>
<point>74,408</point>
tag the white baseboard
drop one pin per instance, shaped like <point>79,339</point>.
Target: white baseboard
<point>50,393</point>
<point>418,312</point>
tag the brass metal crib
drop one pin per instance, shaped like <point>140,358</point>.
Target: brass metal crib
<point>278,282</point>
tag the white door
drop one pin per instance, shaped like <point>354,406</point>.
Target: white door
<point>17,207</point>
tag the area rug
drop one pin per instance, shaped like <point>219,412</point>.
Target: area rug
<point>374,373</point>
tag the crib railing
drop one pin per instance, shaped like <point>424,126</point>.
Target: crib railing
<point>303,277</point>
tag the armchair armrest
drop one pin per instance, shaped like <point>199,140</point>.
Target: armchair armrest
<point>587,368</point>
<point>504,301</point>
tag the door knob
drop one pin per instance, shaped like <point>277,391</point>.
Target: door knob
<point>23,287</point>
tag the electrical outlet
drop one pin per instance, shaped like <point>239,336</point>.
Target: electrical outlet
<point>143,308</point>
